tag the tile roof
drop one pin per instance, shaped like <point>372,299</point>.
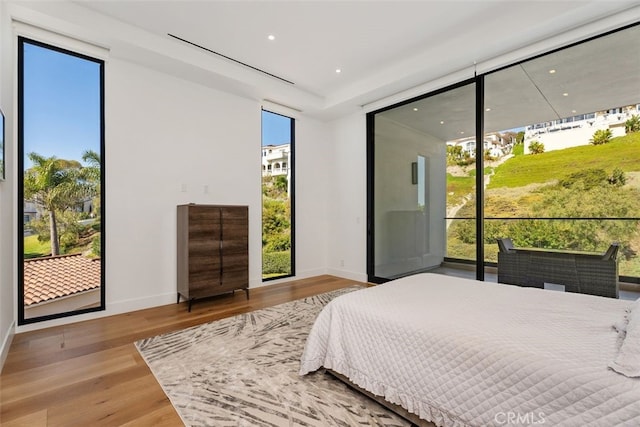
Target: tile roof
<point>46,279</point>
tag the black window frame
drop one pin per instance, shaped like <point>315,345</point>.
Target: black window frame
<point>292,196</point>
<point>20,175</point>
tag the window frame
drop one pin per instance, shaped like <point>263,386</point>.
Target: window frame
<point>21,41</point>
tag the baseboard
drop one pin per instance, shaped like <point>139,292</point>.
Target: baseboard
<point>112,309</point>
<point>299,275</point>
<point>351,275</point>
<point>6,343</point>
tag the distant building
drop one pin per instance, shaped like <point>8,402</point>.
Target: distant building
<point>276,160</point>
<point>495,143</point>
<point>578,130</point>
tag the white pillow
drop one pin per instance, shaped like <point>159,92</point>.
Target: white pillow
<point>628,360</point>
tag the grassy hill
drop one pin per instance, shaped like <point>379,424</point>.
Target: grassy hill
<point>622,152</point>
<point>523,186</point>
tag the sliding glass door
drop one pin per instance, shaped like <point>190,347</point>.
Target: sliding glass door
<point>559,160</point>
<point>408,157</point>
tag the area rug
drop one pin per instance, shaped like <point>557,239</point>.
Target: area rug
<point>243,371</point>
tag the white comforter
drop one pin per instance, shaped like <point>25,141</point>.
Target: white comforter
<point>459,352</point>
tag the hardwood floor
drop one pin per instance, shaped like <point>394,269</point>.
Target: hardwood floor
<point>90,373</point>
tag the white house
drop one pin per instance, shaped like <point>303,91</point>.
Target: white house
<point>276,160</point>
<point>578,130</point>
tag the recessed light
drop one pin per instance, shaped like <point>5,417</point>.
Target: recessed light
<point>441,122</point>
<point>565,94</point>
<point>552,71</point>
<point>573,111</point>
<point>487,109</point>
<point>415,108</point>
<point>461,132</point>
<point>338,70</point>
<point>271,37</point>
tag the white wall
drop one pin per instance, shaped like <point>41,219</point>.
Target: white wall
<point>7,192</point>
<point>313,169</point>
<point>165,135</point>
<point>347,199</point>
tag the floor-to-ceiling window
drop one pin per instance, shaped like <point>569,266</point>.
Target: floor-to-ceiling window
<point>559,152</point>
<point>61,206</point>
<point>278,188</point>
<point>565,165</point>
<point>409,157</point>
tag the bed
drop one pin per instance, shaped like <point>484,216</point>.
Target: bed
<point>459,352</point>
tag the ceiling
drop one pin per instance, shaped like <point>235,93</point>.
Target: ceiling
<point>597,75</point>
<point>381,47</point>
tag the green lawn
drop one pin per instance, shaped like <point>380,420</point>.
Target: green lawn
<point>34,249</point>
<point>622,152</point>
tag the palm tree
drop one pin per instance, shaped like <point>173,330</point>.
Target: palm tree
<point>92,175</point>
<point>54,185</point>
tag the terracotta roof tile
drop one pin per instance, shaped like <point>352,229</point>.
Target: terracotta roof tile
<point>49,278</point>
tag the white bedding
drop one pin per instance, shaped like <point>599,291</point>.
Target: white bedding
<point>460,352</point>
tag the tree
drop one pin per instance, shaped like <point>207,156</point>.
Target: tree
<point>601,136</point>
<point>92,175</point>
<point>633,124</point>
<point>54,185</point>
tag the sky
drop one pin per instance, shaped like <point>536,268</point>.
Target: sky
<point>276,129</point>
<point>61,104</point>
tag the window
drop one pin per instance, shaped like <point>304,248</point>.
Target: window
<point>60,146</point>
<point>278,207</point>
<point>559,176</point>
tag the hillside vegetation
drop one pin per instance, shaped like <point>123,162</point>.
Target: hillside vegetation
<point>622,152</point>
<point>591,181</point>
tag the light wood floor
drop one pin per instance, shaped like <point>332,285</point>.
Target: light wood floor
<point>90,373</point>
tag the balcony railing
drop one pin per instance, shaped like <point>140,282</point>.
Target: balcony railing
<point>579,234</point>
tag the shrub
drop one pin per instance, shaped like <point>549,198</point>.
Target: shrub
<point>601,136</point>
<point>633,124</point>
<point>276,262</point>
<point>589,178</point>
<point>536,147</point>
<point>276,242</point>
<point>617,178</point>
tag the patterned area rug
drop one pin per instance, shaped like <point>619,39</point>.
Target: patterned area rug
<point>243,371</point>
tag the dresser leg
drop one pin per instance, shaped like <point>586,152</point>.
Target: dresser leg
<point>178,301</point>
<point>190,302</point>
<point>247,290</point>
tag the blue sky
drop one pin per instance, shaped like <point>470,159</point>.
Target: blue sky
<point>276,129</point>
<point>61,104</point>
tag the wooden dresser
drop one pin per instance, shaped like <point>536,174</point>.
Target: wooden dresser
<point>213,250</point>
